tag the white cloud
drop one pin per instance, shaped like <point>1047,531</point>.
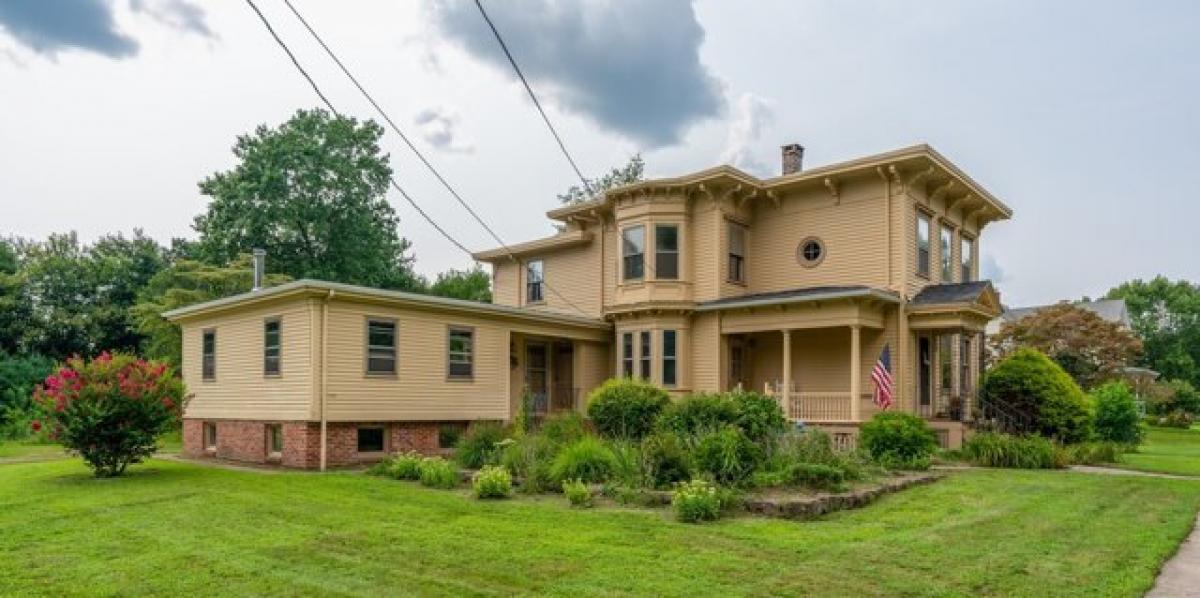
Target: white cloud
<point>751,115</point>
<point>439,127</point>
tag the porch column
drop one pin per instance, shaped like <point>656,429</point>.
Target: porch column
<point>787,373</point>
<point>855,372</point>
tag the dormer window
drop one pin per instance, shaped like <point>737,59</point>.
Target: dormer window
<point>923,244</point>
<point>945,257</point>
<point>666,252</point>
<point>534,282</point>
<point>633,253</point>
<point>967,258</point>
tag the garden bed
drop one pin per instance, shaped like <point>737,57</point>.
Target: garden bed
<point>796,504</point>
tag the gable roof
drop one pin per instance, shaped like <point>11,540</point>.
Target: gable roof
<point>801,295</point>
<point>959,292</point>
<point>1112,310</point>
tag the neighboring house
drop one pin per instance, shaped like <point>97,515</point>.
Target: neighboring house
<point>716,280</point>
<point>1112,310</point>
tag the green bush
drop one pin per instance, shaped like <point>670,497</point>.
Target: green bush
<point>1176,419</point>
<point>587,459</point>
<point>899,440</point>
<point>1093,453</point>
<point>990,449</point>
<point>1116,414</point>
<point>760,417</point>
<point>492,482</point>
<point>624,408</point>
<point>480,445</point>
<point>564,428</point>
<point>449,435</point>
<point>817,475</point>
<point>1030,383</point>
<point>627,456</point>
<point>577,493</point>
<point>696,501</point>
<point>438,473</point>
<point>726,455</point>
<point>405,466</point>
<point>697,414</point>
<point>665,459</point>
<point>529,458</point>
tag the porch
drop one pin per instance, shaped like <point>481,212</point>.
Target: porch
<point>552,372</point>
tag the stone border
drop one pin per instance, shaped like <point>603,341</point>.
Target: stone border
<point>810,507</point>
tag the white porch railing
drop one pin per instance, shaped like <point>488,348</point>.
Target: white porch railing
<point>812,406</point>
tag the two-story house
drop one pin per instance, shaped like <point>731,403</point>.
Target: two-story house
<point>716,280</point>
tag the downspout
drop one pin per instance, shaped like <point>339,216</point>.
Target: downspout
<point>324,371</point>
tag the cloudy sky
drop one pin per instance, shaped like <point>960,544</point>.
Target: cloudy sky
<point>1080,114</point>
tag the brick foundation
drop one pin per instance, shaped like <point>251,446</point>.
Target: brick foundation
<point>246,441</point>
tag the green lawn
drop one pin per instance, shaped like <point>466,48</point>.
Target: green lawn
<point>173,528</point>
<point>1167,450</point>
<point>19,450</point>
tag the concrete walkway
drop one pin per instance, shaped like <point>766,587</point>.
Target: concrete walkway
<point>1115,471</point>
<point>1180,576</point>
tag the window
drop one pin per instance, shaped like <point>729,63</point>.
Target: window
<point>633,250</point>
<point>274,440</point>
<point>810,252</point>
<point>534,285</point>
<point>666,252</point>
<point>737,358</point>
<point>208,359</point>
<point>381,347</point>
<point>964,367</point>
<point>627,355</point>
<point>460,353</point>
<point>737,253</point>
<point>370,440</point>
<point>645,355</point>
<point>271,341</point>
<point>967,259</point>
<point>947,259</point>
<point>210,436</point>
<point>946,363</point>
<point>923,245</point>
<point>668,358</point>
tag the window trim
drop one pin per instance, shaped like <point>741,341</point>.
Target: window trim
<point>645,355</point>
<point>625,278</point>
<point>395,373</point>
<point>627,356</point>
<point>451,329</point>
<point>541,282</point>
<point>676,252</point>
<point>383,444</point>
<point>729,254</point>
<point>208,374</point>
<point>278,320</point>
<point>673,358</point>
<point>946,262</point>
<point>927,218</point>
<point>803,260</point>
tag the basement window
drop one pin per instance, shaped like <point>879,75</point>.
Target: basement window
<point>275,440</point>
<point>370,439</point>
<point>210,436</point>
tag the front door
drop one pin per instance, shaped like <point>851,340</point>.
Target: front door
<point>925,374</point>
<point>536,376</point>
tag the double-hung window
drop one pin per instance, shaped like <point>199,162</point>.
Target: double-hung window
<point>208,358</point>
<point>627,355</point>
<point>645,355</point>
<point>923,244</point>
<point>534,282</point>
<point>669,360</point>
<point>272,337</point>
<point>737,253</point>
<point>460,354</point>
<point>633,253</point>
<point>666,252</point>
<point>381,347</point>
<point>947,259</point>
<point>967,258</point>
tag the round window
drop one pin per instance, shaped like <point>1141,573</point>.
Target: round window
<point>810,252</point>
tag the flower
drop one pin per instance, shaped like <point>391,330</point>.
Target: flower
<point>36,425</point>
<point>168,403</point>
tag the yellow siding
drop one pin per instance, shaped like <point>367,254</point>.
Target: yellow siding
<point>240,390</point>
<point>708,249</point>
<point>706,354</point>
<point>506,283</point>
<point>593,366</point>
<point>573,286</point>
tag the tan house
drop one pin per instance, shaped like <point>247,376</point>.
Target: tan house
<point>716,280</point>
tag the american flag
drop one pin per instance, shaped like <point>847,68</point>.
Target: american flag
<point>882,376</point>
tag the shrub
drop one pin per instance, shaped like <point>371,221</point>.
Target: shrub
<point>665,459</point>
<point>623,408</point>
<point>1093,453</point>
<point>627,459</point>
<point>492,482</point>
<point>19,375</point>
<point>479,446</point>
<point>1116,414</point>
<point>406,466</point>
<point>816,475</point>
<point>111,409</point>
<point>760,417</point>
<point>1176,419</point>
<point>726,455</point>
<point>899,440</point>
<point>1028,382</point>
<point>438,473</point>
<point>990,449</point>
<point>697,414</point>
<point>449,435</point>
<point>587,459</point>
<point>696,501</point>
<point>564,428</point>
<point>530,458</point>
<point>577,493</point>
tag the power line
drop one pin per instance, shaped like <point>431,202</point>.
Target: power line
<point>329,104</point>
<point>562,146</point>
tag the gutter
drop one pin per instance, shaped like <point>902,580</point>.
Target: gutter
<point>826,296</point>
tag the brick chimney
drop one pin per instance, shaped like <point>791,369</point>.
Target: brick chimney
<point>793,157</point>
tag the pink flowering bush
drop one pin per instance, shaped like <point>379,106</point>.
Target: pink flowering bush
<point>110,410</point>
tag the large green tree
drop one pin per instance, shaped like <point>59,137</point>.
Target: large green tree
<point>1166,315</point>
<point>312,193</point>
<point>15,306</point>
<point>474,285</point>
<point>632,172</point>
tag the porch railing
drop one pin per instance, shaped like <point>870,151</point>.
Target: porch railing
<point>558,398</point>
<point>812,406</point>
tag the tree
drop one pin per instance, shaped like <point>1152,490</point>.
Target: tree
<point>15,306</point>
<point>111,409</point>
<point>1166,315</point>
<point>312,193</point>
<point>121,266</point>
<point>632,172</point>
<point>1117,417</point>
<point>185,283</point>
<point>1091,349</point>
<point>473,285</point>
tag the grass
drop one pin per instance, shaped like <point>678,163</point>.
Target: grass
<point>171,528</point>
<point>1167,450</point>
<point>33,450</point>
